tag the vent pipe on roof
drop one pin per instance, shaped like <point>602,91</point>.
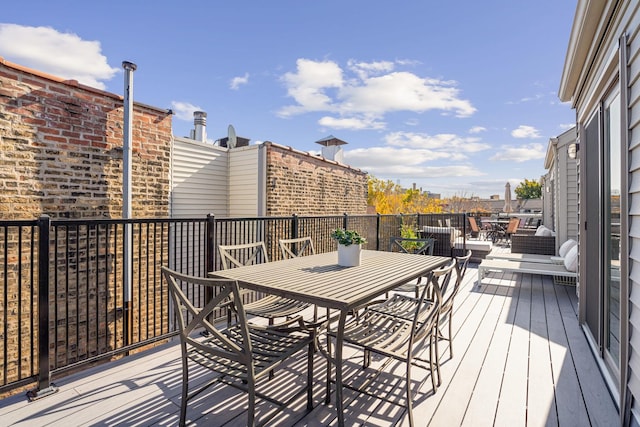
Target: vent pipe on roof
<point>200,123</point>
<point>129,68</point>
<point>127,273</point>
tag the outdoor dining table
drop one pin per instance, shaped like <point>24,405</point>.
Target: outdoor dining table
<point>318,279</point>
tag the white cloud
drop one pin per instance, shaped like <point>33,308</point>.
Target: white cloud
<point>398,163</point>
<point>236,82</point>
<point>365,69</point>
<point>520,154</point>
<point>352,123</point>
<point>367,91</point>
<point>477,129</point>
<point>525,132</point>
<point>446,142</point>
<point>184,110</point>
<point>64,55</point>
<point>308,85</point>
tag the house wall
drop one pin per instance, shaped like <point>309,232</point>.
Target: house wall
<point>62,150</point>
<point>566,190</point>
<point>597,63</point>
<point>199,179</point>
<point>244,180</point>
<point>560,191</point>
<point>298,183</point>
<point>61,146</point>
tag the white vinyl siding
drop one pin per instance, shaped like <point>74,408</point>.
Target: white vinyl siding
<point>198,179</point>
<point>632,17</point>
<point>566,190</point>
<point>244,181</point>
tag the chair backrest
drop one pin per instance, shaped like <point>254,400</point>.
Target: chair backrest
<point>412,246</point>
<point>474,225</point>
<point>512,227</point>
<point>192,318</point>
<point>430,302</point>
<point>449,294</point>
<point>240,255</point>
<point>293,248</point>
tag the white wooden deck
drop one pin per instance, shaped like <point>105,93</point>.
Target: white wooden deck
<point>520,359</point>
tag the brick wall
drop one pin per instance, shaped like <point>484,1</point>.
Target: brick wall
<point>61,154</point>
<point>61,150</point>
<point>307,185</point>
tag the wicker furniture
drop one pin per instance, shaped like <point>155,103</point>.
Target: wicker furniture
<point>243,353</point>
<point>532,244</point>
<point>444,238</point>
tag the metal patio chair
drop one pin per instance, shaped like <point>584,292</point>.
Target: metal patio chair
<point>241,354</point>
<point>293,248</point>
<point>420,246</point>
<point>297,247</point>
<point>270,307</point>
<point>403,337</point>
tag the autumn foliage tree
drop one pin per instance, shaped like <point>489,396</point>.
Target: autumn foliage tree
<point>528,189</point>
<point>389,198</point>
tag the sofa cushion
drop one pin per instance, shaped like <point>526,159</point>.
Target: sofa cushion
<point>571,259</point>
<point>564,248</point>
<point>543,231</point>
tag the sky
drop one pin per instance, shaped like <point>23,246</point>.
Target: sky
<point>457,97</point>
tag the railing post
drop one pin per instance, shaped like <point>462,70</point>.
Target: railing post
<point>45,386</point>
<point>377,232</point>
<point>211,243</point>
<point>344,221</point>
<point>294,227</point>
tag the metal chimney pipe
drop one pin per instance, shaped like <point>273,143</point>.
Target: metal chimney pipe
<point>200,123</point>
<point>129,68</point>
<point>127,274</point>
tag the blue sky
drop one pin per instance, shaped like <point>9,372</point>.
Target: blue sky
<point>457,97</point>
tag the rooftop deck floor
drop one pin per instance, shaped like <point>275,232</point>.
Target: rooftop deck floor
<point>520,359</point>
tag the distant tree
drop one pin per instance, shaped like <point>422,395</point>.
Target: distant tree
<point>528,189</point>
<point>389,198</point>
<point>462,202</point>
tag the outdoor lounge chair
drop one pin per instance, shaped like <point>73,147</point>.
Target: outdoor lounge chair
<point>241,354</point>
<point>542,259</point>
<point>523,267</point>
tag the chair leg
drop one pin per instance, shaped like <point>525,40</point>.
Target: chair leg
<point>251,411</point>
<point>185,391</point>
<point>409,396</point>
<point>450,335</point>
<point>437,360</point>
<point>431,358</point>
<point>310,353</point>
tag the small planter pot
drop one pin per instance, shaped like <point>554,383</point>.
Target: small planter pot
<point>349,256</point>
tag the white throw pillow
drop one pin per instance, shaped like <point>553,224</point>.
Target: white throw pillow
<point>564,248</point>
<point>571,259</point>
<point>544,231</point>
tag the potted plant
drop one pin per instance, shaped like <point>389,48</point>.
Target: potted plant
<point>349,246</point>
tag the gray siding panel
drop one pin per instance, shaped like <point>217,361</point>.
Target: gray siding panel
<point>632,25</point>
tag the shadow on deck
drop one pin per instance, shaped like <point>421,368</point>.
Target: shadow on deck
<point>520,359</point>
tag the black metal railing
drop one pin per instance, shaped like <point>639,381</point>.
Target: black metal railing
<point>75,292</point>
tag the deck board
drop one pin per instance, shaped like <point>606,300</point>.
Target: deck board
<point>520,359</point>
